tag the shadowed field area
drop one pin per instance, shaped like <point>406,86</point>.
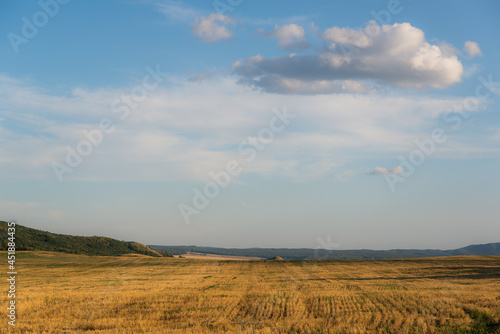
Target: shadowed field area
<point>62,293</point>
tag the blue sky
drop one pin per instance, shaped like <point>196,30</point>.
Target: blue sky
<point>372,124</point>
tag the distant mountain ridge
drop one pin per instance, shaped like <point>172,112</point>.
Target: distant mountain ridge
<point>29,239</point>
<point>37,240</point>
<point>491,249</point>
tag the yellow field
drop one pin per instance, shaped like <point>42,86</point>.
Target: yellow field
<point>59,293</point>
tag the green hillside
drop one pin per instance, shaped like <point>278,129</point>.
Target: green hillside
<point>32,239</point>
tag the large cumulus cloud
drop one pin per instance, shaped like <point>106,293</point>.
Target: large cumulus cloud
<point>396,55</point>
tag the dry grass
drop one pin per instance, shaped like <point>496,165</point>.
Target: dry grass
<point>206,256</point>
<point>61,293</point>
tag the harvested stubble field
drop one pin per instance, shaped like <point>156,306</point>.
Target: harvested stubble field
<point>62,293</point>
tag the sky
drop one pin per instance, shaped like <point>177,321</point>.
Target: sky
<point>238,123</point>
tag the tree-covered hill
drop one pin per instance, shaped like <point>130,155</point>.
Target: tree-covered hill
<point>36,240</point>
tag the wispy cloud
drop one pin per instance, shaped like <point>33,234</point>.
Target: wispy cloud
<point>272,21</point>
<point>208,27</point>
<point>186,131</point>
<point>213,28</point>
<point>384,171</point>
<point>344,176</point>
<point>177,11</point>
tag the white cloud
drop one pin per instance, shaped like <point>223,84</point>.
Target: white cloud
<point>397,55</point>
<point>348,36</point>
<point>396,170</point>
<point>290,37</point>
<point>384,171</point>
<point>213,28</point>
<point>472,49</point>
<point>379,171</point>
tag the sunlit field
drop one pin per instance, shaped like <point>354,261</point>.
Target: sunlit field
<point>61,293</point>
